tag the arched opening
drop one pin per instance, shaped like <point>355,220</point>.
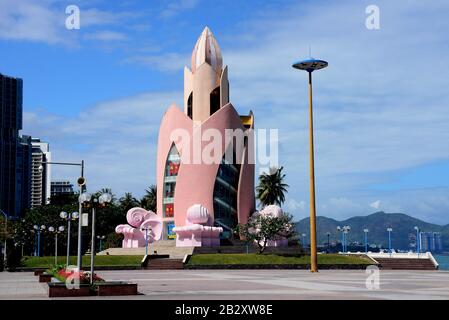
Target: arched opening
<point>190,106</point>
<point>214,100</point>
<point>171,173</point>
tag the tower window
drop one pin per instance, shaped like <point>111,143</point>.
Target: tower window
<point>214,100</point>
<point>190,106</point>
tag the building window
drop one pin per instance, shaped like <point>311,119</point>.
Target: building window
<point>225,197</point>
<point>171,172</point>
<point>215,100</point>
<point>190,106</point>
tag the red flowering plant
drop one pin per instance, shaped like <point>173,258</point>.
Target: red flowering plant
<point>63,274</point>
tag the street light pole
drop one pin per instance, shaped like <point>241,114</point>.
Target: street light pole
<point>6,232</point>
<point>311,65</point>
<point>418,241</point>
<point>80,211</point>
<point>92,248</point>
<point>328,242</point>
<point>69,217</point>
<point>79,261</point>
<point>366,239</point>
<point>389,239</point>
<point>102,200</point>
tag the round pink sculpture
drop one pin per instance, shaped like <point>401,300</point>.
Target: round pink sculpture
<point>274,211</point>
<point>195,233</point>
<point>135,232</point>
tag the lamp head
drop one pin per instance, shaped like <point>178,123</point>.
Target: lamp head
<point>63,215</point>
<point>105,198</point>
<point>310,65</point>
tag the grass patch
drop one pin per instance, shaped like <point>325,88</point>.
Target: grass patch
<point>46,262</point>
<point>252,258</point>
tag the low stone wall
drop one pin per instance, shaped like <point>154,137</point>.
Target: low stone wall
<point>278,266</point>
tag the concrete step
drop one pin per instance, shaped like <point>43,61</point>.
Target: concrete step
<point>164,264</point>
<point>405,264</point>
<point>162,247</point>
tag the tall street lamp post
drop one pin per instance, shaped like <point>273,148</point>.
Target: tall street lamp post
<point>101,201</point>
<point>101,238</point>
<point>418,241</point>
<point>344,231</point>
<point>328,242</point>
<point>81,182</point>
<point>147,238</point>
<point>38,230</point>
<point>389,239</point>
<point>69,217</point>
<point>56,232</point>
<point>6,232</point>
<point>311,65</point>
<point>366,239</point>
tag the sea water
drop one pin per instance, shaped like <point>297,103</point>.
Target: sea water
<point>443,261</point>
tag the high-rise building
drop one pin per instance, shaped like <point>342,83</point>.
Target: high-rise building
<point>40,174</point>
<point>431,241</point>
<point>61,188</point>
<point>15,151</point>
<point>23,174</point>
<point>224,186</point>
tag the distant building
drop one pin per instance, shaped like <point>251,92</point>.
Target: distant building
<point>23,174</point>
<point>15,151</point>
<point>40,174</point>
<point>61,188</point>
<point>431,241</point>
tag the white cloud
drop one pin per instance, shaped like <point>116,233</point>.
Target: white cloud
<point>375,204</point>
<point>174,7</point>
<point>106,36</point>
<point>44,21</point>
<point>117,139</point>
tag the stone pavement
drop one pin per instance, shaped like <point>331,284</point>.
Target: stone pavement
<point>253,284</point>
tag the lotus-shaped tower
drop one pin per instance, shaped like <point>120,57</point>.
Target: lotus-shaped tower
<point>208,128</point>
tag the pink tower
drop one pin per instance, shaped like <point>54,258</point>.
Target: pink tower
<point>205,154</point>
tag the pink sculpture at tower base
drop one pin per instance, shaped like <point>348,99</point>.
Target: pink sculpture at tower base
<point>274,211</point>
<point>141,223</point>
<point>198,231</point>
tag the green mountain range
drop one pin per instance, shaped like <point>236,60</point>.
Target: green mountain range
<point>403,234</point>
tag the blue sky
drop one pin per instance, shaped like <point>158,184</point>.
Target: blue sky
<point>381,107</point>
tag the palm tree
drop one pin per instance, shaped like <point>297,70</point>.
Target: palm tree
<point>148,201</point>
<point>271,188</point>
<point>128,202</point>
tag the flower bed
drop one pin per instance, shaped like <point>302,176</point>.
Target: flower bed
<point>74,284</point>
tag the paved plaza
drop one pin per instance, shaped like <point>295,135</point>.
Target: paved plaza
<point>252,284</point>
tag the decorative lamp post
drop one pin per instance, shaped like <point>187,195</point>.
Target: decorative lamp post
<point>56,231</point>
<point>69,217</point>
<point>38,231</point>
<point>344,231</point>
<point>101,238</point>
<point>95,203</point>
<point>389,239</point>
<point>328,242</point>
<point>366,239</point>
<point>418,241</point>
<point>147,239</point>
<point>6,232</point>
<point>311,65</point>
<point>81,183</point>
